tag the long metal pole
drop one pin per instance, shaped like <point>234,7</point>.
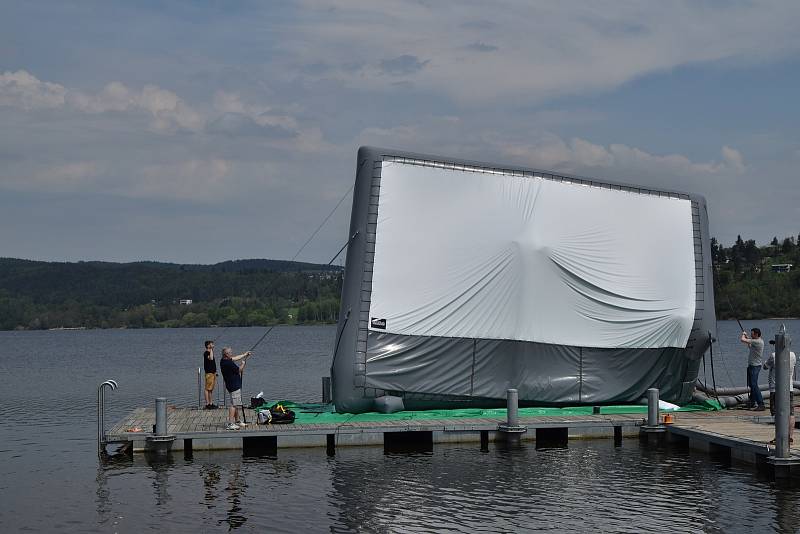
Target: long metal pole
<point>782,391</point>
<point>200,387</point>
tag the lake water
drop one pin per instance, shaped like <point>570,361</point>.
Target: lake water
<point>51,480</point>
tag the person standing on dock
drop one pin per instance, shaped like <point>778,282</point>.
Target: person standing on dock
<point>232,376</point>
<point>210,368</point>
<point>754,362</point>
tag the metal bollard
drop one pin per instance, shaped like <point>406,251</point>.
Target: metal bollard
<point>782,393</point>
<point>161,416</point>
<point>652,407</point>
<point>511,429</point>
<point>326,390</point>
<point>512,405</point>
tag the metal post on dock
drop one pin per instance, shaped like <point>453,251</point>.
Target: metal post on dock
<point>512,405</point>
<point>782,393</point>
<point>652,407</point>
<point>652,430</point>
<point>160,442</point>
<point>161,416</point>
<point>784,463</point>
<point>512,429</point>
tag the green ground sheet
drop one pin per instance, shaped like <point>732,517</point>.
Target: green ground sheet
<point>326,414</point>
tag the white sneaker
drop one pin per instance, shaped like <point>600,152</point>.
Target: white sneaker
<point>232,426</point>
<point>242,425</point>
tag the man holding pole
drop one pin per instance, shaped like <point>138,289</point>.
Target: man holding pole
<point>754,362</point>
<point>232,375</point>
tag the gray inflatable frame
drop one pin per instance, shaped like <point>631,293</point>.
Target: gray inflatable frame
<point>431,372</point>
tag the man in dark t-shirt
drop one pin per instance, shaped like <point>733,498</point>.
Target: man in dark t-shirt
<point>210,367</point>
<point>232,375</point>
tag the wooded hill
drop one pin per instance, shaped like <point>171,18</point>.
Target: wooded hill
<point>746,284</point>
<point>41,295</point>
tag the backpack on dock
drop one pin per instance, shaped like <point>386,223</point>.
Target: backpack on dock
<point>281,414</point>
<point>277,414</point>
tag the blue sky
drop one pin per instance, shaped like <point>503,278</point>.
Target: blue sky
<point>205,131</point>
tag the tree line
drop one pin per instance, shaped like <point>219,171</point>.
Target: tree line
<point>44,295</point>
<point>746,283</point>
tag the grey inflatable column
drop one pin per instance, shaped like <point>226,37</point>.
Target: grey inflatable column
<point>347,371</point>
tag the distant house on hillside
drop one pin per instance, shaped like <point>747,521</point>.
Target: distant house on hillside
<point>185,302</point>
<point>781,267</point>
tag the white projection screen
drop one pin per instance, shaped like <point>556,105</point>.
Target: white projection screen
<point>480,254</point>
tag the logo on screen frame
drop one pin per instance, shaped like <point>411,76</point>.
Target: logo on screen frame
<point>378,323</point>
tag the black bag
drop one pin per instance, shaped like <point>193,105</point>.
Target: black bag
<point>281,414</point>
<point>256,402</point>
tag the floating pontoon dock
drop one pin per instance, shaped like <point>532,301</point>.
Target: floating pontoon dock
<point>737,434</point>
<point>205,429</point>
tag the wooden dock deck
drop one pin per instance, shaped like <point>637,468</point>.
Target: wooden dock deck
<point>205,429</point>
<point>743,439</point>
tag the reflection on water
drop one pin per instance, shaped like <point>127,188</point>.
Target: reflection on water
<point>235,516</point>
<point>591,485</point>
<point>211,478</point>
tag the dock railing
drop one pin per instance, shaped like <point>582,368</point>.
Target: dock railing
<point>101,413</point>
<point>200,385</point>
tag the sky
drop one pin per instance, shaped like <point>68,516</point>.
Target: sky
<point>197,132</point>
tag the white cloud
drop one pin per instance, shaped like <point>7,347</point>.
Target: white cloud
<point>552,152</point>
<point>22,90</point>
<point>540,49</point>
<point>168,112</point>
<point>226,102</point>
<point>733,159</point>
<point>545,150</point>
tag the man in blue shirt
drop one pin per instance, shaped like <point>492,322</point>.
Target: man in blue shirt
<point>232,375</point>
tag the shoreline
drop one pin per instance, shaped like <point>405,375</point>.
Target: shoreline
<point>84,328</point>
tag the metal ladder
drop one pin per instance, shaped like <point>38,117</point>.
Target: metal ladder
<point>101,415</point>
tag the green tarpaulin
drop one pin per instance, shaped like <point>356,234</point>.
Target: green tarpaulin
<point>325,414</point>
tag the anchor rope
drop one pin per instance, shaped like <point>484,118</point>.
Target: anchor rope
<point>323,223</point>
<point>303,246</point>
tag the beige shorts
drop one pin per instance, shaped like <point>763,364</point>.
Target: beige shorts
<point>211,379</point>
<point>235,397</point>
